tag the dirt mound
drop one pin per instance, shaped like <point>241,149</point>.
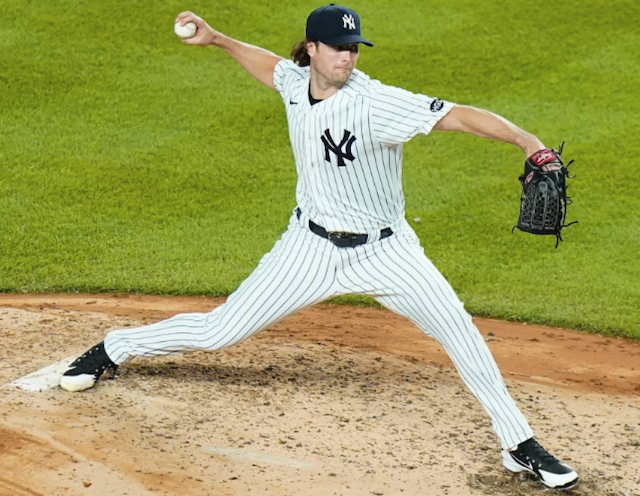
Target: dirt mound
<point>334,400</point>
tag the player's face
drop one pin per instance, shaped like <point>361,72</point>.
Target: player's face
<point>334,64</point>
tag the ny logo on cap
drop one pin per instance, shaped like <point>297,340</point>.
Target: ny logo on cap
<point>348,21</point>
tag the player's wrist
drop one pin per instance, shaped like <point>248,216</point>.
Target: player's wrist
<point>529,143</point>
<point>531,151</point>
<point>531,147</point>
<point>223,41</point>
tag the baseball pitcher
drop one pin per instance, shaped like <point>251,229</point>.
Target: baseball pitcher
<point>348,233</point>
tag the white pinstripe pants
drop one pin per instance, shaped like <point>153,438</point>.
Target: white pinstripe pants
<point>303,269</point>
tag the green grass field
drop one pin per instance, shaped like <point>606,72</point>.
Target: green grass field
<point>131,162</point>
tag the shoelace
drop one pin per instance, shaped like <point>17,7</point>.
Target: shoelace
<point>85,355</point>
<point>540,455</point>
<point>91,361</point>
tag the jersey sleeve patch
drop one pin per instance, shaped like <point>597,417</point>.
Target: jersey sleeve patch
<point>436,105</point>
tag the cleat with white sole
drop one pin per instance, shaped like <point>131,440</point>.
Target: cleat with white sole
<point>530,457</point>
<point>85,370</point>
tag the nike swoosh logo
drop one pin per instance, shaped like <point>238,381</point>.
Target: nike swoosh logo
<point>527,465</point>
<point>291,102</point>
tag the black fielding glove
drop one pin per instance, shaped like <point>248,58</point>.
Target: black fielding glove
<point>544,200</point>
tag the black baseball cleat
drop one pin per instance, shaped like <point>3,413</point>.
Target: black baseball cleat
<point>85,370</point>
<point>529,456</point>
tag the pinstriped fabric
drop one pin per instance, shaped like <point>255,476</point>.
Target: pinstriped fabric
<point>295,274</point>
<point>360,191</point>
<point>303,269</point>
<point>396,273</point>
<point>354,185</point>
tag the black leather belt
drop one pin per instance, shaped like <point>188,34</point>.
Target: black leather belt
<point>343,239</point>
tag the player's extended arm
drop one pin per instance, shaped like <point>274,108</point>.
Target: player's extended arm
<point>488,125</point>
<point>258,62</point>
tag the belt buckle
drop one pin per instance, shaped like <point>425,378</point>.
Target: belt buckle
<point>343,239</point>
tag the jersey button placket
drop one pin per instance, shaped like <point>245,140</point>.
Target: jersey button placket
<point>308,166</point>
<point>307,134</point>
<point>317,182</point>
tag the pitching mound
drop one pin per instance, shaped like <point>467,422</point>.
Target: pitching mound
<point>332,401</point>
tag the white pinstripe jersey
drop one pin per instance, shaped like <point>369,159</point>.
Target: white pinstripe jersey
<point>348,148</point>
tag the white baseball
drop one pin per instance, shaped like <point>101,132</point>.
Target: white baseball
<point>186,31</point>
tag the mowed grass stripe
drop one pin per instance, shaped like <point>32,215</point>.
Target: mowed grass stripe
<point>130,162</point>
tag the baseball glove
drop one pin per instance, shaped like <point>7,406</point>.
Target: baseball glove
<point>544,200</point>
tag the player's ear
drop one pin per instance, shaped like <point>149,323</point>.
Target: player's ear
<point>312,47</point>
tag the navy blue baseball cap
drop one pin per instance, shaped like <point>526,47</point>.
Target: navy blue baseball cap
<point>335,25</point>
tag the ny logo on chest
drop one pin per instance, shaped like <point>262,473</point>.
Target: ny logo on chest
<point>342,151</point>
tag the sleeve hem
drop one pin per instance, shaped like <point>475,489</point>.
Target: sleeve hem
<point>444,111</point>
<point>278,75</point>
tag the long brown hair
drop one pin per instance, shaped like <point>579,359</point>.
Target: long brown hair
<point>299,53</point>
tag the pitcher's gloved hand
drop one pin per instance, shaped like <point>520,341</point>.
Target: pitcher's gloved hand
<point>544,200</point>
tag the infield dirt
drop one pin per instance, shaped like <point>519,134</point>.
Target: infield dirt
<point>335,400</point>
